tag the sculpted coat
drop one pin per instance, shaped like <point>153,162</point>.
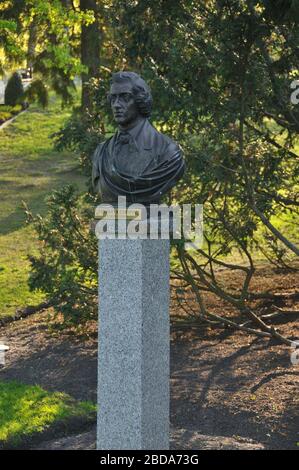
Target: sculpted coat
<point>137,161</point>
<point>142,166</point>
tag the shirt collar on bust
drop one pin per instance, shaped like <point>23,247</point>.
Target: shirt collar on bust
<point>134,131</point>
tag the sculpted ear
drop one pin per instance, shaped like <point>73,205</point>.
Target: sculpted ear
<point>144,100</point>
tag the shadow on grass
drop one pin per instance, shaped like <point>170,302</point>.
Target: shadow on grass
<point>30,167</point>
<point>35,198</point>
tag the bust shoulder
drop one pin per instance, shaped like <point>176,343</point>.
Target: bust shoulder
<point>159,141</point>
<point>99,148</point>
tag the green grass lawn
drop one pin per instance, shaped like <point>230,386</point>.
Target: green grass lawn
<point>28,409</point>
<point>30,169</point>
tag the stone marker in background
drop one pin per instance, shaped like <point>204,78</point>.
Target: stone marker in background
<point>140,164</point>
<point>3,350</point>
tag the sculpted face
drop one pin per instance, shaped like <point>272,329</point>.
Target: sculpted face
<point>124,108</point>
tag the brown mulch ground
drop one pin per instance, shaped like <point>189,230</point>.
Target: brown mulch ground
<point>228,390</point>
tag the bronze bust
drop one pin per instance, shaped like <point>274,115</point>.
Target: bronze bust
<point>137,161</point>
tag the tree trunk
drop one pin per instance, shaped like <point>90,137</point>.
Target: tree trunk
<point>32,41</point>
<point>90,52</point>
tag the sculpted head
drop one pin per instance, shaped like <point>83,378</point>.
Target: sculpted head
<point>130,98</point>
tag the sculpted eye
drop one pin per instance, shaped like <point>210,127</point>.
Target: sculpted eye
<point>127,96</point>
<point>122,96</point>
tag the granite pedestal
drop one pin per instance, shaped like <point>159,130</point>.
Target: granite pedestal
<point>133,361</point>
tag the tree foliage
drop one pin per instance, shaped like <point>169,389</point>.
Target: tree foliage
<point>48,35</point>
<point>220,72</point>
<point>67,265</point>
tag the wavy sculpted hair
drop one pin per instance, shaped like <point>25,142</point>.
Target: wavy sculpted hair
<point>141,91</point>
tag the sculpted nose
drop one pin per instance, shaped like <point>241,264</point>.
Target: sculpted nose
<point>116,102</point>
